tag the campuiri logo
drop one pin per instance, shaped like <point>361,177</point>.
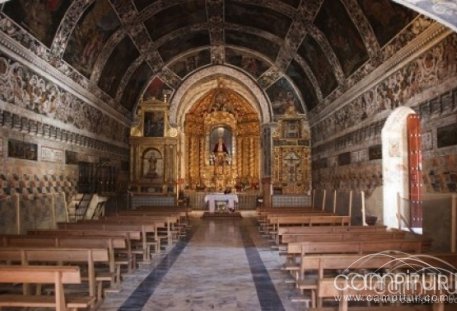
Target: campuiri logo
<point>392,276</point>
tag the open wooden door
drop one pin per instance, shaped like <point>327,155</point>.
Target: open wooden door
<point>415,170</point>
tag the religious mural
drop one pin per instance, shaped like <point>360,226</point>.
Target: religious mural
<point>123,55</point>
<point>283,97</point>
<point>386,18</point>
<point>178,45</point>
<point>191,62</point>
<point>89,36</point>
<point>40,18</point>
<point>257,17</point>
<point>253,65</point>
<point>135,85</point>
<point>334,21</point>
<point>317,60</point>
<point>22,87</point>
<point>156,89</point>
<point>182,15</point>
<point>253,42</point>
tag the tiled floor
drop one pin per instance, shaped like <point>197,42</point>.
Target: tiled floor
<point>224,265</point>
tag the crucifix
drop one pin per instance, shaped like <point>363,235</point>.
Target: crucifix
<point>292,162</point>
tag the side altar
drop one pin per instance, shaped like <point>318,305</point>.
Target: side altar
<point>153,150</point>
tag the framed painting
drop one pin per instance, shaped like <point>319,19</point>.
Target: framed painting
<point>154,123</point>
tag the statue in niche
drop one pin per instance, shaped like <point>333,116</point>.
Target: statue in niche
<point>220,156</point>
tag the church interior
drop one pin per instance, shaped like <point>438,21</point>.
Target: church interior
<point>217,154</point>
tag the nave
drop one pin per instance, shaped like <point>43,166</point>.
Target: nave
<point>222,264</point>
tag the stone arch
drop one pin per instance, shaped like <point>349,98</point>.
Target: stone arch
<point>198,83</point>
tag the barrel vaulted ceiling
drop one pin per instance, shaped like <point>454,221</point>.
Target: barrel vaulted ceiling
<point>121,50</point>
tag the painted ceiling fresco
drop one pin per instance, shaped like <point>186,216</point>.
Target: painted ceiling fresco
<point>120,59</point>
<point>186,65</point>
<point>40,18</point>
<point>126,47</point>
<point>90,35</point>
<point>138,80</point>
<point>312,53</point>
<point>386,18</point>
<point>176,17</point>
<point>342,34</point>
<point>246,61</point>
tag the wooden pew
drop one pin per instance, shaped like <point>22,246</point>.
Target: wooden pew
<point>343,236</point>
<point>130,236</point>
<point>326,263</point>
<point>268,222</point>
<point>302,230</point>
<point>276,222</point>
<point>298,250</point>
<point>327,289</point>
<point>86,256</point>
<point>111,243</point>
<point>354,247</point>
<point>167,223</point>
<point>143,229</point>
<point>56,275</point>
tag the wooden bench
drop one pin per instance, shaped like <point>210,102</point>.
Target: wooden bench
<point>354,247</point>
<point>56,275</point>
<point>111,243</point>
<point>130,236</point>
<point>276,222</point>
<point>86,256</point>
<point>329,289</point>
<point>326,263</point>
<point>143,229</point>
<point>300,230</point>
<point>343,236</point>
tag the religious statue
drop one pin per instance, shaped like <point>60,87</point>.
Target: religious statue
<point>220,146</point>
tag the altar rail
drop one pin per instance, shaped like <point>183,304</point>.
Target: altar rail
<point>246,201</point>
<point>152,200</point>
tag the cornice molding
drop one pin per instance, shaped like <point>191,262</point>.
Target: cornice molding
<point>14,50</point>
<point>430,37</point>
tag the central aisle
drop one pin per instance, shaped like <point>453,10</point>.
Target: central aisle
<point>212,272</point>
<point>224,265</point>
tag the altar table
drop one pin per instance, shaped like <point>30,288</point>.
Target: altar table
<point>230,198</point>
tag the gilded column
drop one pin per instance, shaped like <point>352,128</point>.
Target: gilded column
<point>251,157</point>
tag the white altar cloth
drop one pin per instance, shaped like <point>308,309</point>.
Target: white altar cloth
<point>212,198</point>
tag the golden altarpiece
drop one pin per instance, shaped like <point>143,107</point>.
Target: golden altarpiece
<point>291,154</point>
<point>153,150</point>
<point>222,133</point>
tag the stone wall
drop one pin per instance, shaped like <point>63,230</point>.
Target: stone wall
<point>46,130</point>
<point>347,149</point>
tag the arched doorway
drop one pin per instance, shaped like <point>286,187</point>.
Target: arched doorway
<point>398,179</point>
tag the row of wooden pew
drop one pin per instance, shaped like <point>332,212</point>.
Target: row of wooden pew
<point>96,254</point>
<point>319,246</point>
